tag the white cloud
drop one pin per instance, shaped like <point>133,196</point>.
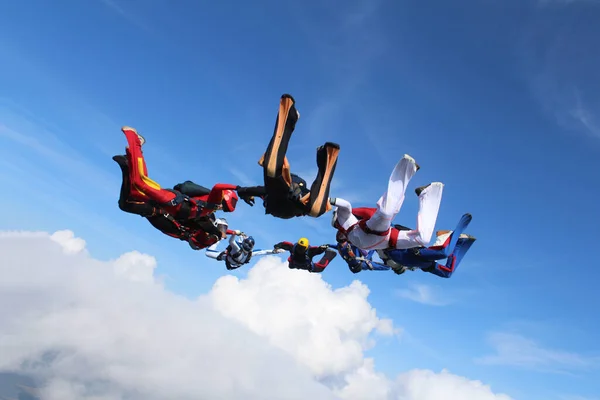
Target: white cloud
<point>108,330</point>
<point>427,385</point>
<point>423,294</point>
<point>68,241</point>
<point>299,312</point>
<point>516,350</point>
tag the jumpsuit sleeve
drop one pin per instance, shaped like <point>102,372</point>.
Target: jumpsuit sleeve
<point>234,245</point>
<point>215,197</point>
<point>315,251</point>
<point>258,191</point>
<point>284,245</point>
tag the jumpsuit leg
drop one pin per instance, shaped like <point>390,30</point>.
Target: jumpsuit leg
<point>343,213</point>
<point>126,202</point>
<point>138,172</point>
<point>274,159</point>
<point>391,201</point>
<point>317,199</point>
<point>429,206</point>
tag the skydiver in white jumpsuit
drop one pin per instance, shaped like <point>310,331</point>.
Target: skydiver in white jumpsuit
<point>238,252</point>
<point>375,230</point>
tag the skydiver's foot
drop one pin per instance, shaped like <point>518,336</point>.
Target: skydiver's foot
<point>288,96</point>
<point>419,190</point>
<point>413,160</point>
<point>121,160</point>
<point>399,270</point>
<point>465,236</point>
<point>331,144</point>
<point>140,137</point>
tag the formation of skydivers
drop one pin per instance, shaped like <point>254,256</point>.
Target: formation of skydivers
<point>188,211</point>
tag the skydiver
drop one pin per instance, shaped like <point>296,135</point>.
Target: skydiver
<point>302,254</point>
<point>238,252</point>
<point>374,231</point>
<point>449,245</point>
<point>286,195</point>
<point>200,201</point>
<point>198,233</point>
<point>357,259</point>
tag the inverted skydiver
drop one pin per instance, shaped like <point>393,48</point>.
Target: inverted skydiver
<point>239,251</point>
<point>200,232</point>
<point>286,195</point>
<point>302,254</point>
<point>199,203</point>
<point>374,231</point>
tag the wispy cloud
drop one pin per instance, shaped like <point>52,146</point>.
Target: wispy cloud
<point>243,178</point>
<point>424,294</point>
<point>129,15</point>
<point>518,351</point>
<point>347,46</point>
<point>560,62</point>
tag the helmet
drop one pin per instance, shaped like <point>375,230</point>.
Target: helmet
<point>303,242</point>
<point>230,199</point>
<point>248,243</point>
<point>222,226</point>
<point>341,237</point>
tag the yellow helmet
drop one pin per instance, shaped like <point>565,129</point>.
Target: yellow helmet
<point>303,242</point>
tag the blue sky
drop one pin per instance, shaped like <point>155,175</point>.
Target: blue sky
<point>497,99</point>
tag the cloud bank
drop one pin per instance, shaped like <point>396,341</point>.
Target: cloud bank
<point>104,330</point>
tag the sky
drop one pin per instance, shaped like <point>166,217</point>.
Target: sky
<point>496,99</point>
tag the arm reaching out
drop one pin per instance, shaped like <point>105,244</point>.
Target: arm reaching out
<point>284,245</point>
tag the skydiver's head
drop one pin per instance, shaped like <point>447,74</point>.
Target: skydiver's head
<point>301,246</point>
<point>222,226</point>
<point>248,244</point>
<point>341,237</point>
<point>230,199</point>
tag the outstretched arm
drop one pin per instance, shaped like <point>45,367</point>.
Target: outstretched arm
<point>248,193</point>
<point>234,244</point>
<point>315,251</point>
<point>266,252</point>
<point>212,251</point>
<point>284,245</point>
<point>215,197</point>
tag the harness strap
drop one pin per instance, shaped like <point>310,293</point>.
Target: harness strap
<point>363,225</point>
<point>393,238</point>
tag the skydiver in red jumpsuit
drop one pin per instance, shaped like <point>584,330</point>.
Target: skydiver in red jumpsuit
<point>185,212</point>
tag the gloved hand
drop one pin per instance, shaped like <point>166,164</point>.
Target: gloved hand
<point>324,247</point>
<point>242,192</point>
<point>249,200</point>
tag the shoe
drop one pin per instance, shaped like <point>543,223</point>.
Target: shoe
<point>121,160</point>
<point>419,190</point>
<point>413,160</point>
